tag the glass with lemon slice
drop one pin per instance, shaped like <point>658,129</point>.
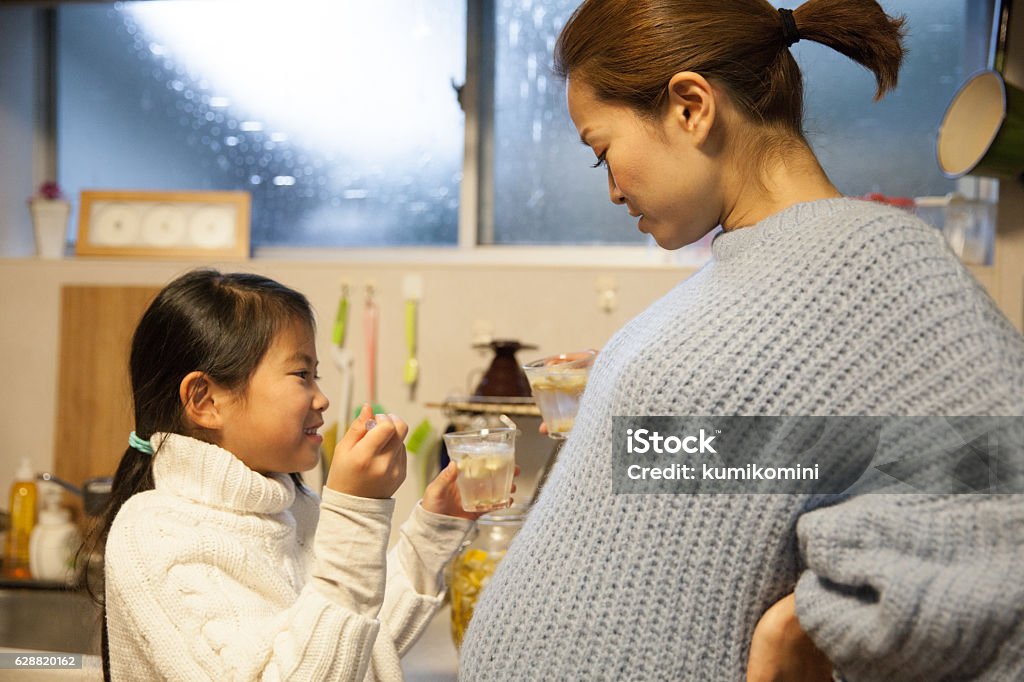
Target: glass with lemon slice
<point>557,383</point>
<point>486,459</point>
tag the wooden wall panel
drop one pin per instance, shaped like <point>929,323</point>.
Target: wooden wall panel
<point>94,414</point>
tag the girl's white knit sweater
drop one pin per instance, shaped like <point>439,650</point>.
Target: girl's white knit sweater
<point>223,573</point>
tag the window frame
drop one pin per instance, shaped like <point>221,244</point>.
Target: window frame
<point>476,200</point>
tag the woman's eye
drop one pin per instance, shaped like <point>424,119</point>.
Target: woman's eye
<point>600,161</point>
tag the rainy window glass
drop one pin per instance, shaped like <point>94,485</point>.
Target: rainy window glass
<point>546,193</point>
<point>339,117</point>
<point>544,189</point>
<point>854,137</point>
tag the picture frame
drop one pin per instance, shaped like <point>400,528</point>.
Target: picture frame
<point>164,224</point>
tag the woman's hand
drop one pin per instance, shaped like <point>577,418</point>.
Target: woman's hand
<point>543,429</point>
<point>442,495</point>
<point>782,652</point>
<point>370,462</point>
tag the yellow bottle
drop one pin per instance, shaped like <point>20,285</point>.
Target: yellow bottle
<point>22,511</point>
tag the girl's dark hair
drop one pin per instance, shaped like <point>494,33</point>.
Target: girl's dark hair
<point>628,50</point>
<point>218,324</point>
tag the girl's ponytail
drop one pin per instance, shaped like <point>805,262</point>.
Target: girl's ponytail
<point>859,29</point>
<point>134,475</point>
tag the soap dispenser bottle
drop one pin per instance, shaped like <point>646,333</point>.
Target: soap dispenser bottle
<point>22,511</point>
<point>55,539</point>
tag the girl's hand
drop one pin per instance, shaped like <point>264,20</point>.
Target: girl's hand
<point>781,651</point>
<point>442,495</point>
<point>370,462</point>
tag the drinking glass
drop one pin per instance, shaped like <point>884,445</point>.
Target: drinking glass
<point>486,461</point>
<point>557,382</point>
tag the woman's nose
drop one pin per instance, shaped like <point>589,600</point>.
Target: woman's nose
<point>614,194</point>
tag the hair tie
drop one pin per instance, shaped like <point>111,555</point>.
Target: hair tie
<point>139,444</point>
<point>790,33</point>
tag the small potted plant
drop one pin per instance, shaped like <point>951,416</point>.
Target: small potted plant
<point>50,213</point>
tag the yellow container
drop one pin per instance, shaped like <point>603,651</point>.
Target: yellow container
<point>22,509</point>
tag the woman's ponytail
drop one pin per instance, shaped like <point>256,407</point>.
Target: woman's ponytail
<point>859,29</point>
<point>628,50</point>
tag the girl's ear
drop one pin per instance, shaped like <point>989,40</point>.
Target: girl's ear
<point>197,394</point>
<point>692,106</point>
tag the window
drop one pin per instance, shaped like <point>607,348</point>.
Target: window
<point>341,117</point>
<point>543,193</point>
<point>544,189</point>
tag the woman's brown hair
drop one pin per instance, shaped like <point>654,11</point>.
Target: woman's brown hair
<point>626,51</point>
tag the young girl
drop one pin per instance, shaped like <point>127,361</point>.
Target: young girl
<point>812,304</point>
<point>219,564</point>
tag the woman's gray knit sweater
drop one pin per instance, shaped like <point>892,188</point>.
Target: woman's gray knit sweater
<point>833,307</point>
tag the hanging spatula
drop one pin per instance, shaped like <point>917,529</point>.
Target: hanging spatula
<point>412,290</point>
<point>371,318</point>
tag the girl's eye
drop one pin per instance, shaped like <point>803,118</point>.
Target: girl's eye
<point>600,161</point>
<point>305,375</point>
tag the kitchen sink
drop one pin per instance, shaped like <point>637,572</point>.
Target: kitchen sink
<point>40,617</point>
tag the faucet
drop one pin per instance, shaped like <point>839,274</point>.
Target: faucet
<point>94,493</point>
<point>61,482</point>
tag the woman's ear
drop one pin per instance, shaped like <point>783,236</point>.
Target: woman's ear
<point>691,105</point>
<point>197,394</point>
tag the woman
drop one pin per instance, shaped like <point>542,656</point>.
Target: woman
<point>812,304</point>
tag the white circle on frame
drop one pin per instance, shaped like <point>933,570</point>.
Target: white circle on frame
<point>163,225</point>
<point>212,227</point>
<point>114,225</point>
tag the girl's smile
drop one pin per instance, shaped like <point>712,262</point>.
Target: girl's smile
<point>273,427</point>
<point>312,433</point>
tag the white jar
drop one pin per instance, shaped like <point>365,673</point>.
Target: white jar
<point>52,548</point>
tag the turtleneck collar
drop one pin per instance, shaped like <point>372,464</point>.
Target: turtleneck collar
<point>213,476</point>
<point>730,244</point>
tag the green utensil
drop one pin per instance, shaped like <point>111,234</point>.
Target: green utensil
<point>412,288</point>
<point>420,445</point>
<point>341,319</point>
<point>412,365</point>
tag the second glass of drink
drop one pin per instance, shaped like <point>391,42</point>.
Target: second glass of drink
<point>557,383</point>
